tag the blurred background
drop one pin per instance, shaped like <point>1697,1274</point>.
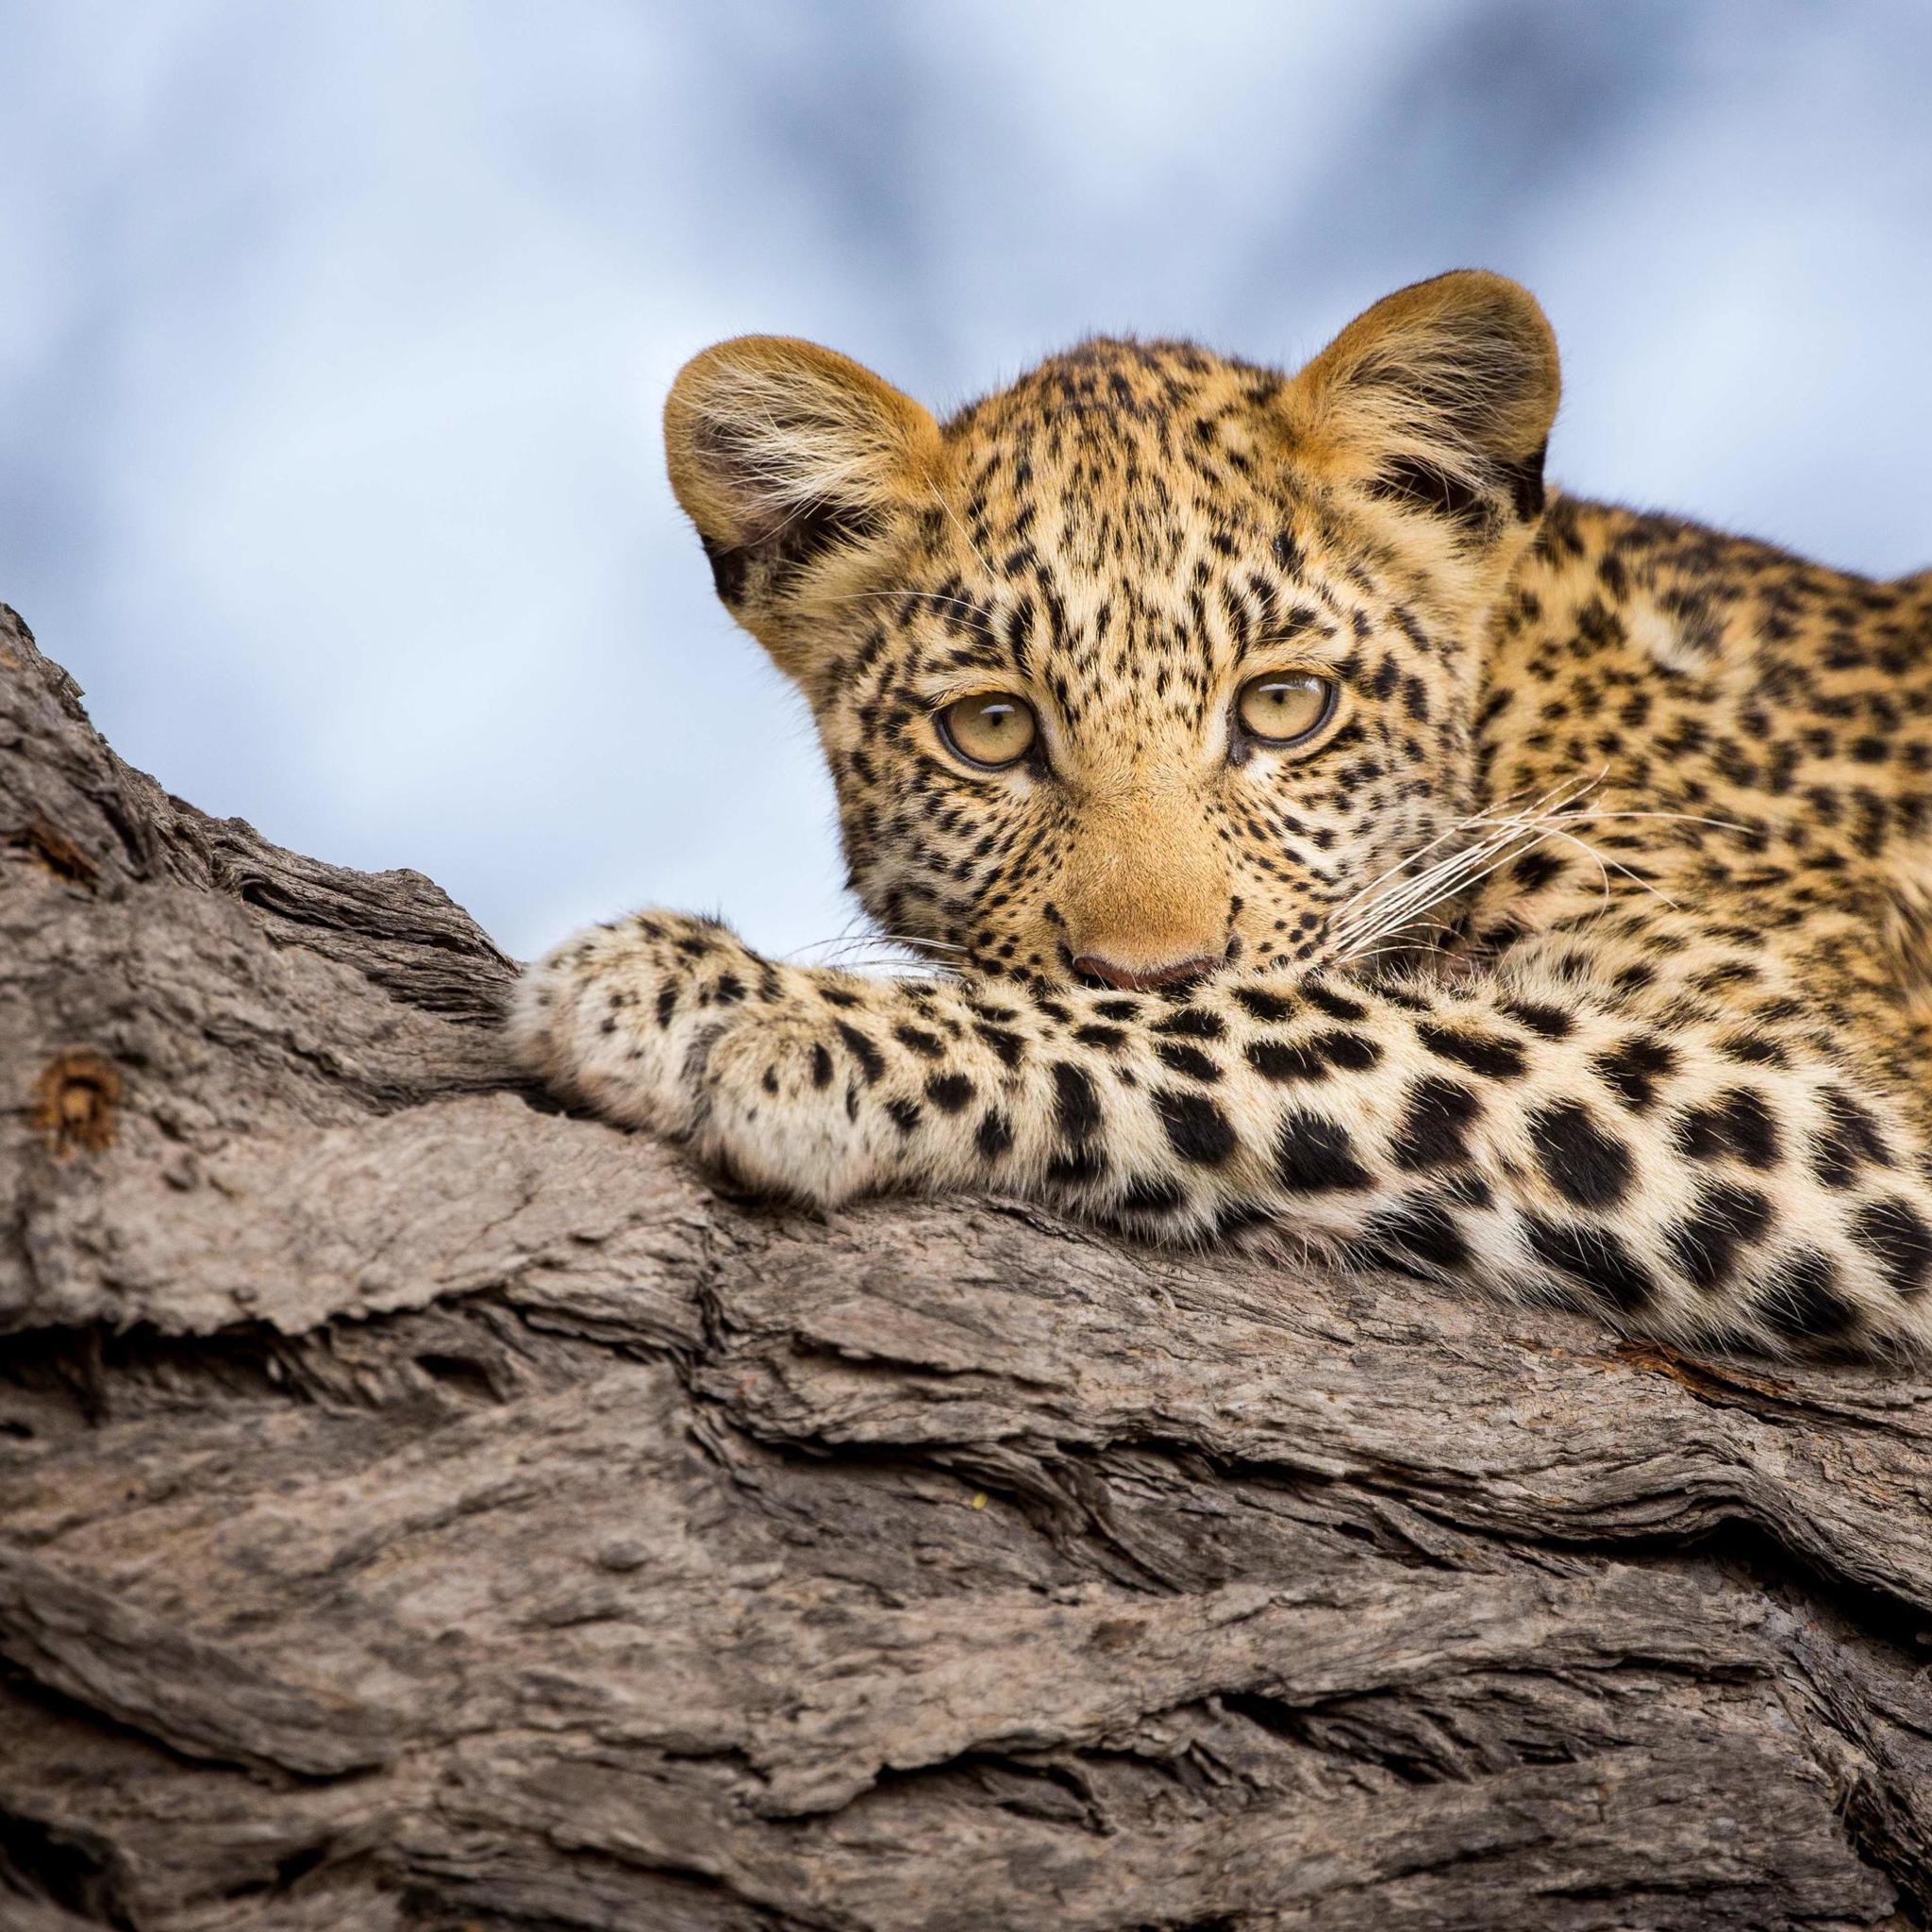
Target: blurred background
<point>333,335</point>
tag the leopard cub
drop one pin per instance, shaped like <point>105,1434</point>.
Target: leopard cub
<point>1321,829</point>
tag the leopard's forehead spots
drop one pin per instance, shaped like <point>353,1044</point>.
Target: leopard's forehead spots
<point>1117,529</point>
<point>1122,458</point>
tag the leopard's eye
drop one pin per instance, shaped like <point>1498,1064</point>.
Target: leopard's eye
<point>1284,708</point>
<point>993,730</point>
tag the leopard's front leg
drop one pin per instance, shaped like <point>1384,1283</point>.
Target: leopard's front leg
<point>808,1082</point>
<point>819,1085</point>
<point>1538,1135</point>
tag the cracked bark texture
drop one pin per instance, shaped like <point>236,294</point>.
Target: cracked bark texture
<point>421,1509</point>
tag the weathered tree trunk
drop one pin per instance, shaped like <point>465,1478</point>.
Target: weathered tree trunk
<point>423,1508</point>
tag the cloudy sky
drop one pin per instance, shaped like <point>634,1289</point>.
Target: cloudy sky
<point>333,335</point>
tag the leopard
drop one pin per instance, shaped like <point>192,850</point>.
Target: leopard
<point>1307,827</point>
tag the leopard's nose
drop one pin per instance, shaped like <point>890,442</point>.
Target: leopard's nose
<point>1144,978</point>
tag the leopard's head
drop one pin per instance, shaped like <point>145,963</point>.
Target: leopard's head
<point>1153,659</point>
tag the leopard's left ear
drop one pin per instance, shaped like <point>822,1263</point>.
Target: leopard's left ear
<point>1437,401</point>
<point>796,463</point>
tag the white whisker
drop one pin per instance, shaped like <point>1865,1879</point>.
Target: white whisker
<point>1555,799</point>
<point>965,603</point>
<point>966,536</point>
<point>1383,929</point>
<point>1364,925</point>
<point>871,951</point>
<point>1400,897</point>
<point>1438,882</point>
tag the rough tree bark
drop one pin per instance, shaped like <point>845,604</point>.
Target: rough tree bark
<point>420,1508</point>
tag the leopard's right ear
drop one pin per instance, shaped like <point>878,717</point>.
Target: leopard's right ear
<point>795,464</point>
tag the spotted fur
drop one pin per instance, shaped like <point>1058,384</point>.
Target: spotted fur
<point>1582,956</point>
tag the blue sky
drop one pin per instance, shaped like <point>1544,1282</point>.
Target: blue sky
<point>333,339</point>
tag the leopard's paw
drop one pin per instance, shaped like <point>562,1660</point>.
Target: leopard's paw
<point>621,1018</point>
